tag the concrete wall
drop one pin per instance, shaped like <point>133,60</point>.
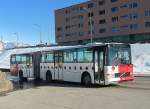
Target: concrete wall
<point>141,58</point>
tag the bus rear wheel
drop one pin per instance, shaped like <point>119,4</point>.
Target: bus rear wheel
<point>86,79</point>
<point>48,77</point>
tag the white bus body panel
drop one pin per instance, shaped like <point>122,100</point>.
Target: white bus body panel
<point>27,71</point>
<point>110,74</point>
<point>68,74</point>
<point>44,67</point>
<point>75,75</point>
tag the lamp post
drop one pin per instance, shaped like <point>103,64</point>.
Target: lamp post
<point>91,25</point>
<point>40,32</point>
<point>17,36</point>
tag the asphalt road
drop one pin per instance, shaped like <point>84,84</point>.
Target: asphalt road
<point>129,95</point>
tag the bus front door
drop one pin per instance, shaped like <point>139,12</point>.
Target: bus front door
<point>29,70</point>
<point>58,65</point>
<point>99,66</point>
<point>27,66</point>
<point>35,59</point>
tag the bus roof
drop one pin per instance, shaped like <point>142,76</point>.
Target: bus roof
<point>55,48</point>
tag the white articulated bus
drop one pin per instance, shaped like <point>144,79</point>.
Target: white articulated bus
<point>87,64</point>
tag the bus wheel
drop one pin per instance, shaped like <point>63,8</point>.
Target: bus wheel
<point>86,79</point>
<point>48,77</point>
<point>20,76</point>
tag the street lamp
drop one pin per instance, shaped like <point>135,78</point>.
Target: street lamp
<point>91,25</point>
<point>17,35</point>
<point>39,26</point>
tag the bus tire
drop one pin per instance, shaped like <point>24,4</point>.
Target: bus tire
<point>21,76</point>
<point>86,79</point>
<point>48,77</point>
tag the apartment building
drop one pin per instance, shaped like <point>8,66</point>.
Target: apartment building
<point>126,21</point>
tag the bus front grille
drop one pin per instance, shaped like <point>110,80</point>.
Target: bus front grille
<point>126,74</point>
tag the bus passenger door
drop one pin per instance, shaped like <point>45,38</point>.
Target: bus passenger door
<point>26,66</point>
<point>99,65</point>
<point>29,70</point>
<point>36,58</point>
<point>58,65</point>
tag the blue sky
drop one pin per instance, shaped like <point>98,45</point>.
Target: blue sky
<point>21,15</point>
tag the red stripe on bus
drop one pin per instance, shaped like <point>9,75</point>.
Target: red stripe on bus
<point>125,68</point>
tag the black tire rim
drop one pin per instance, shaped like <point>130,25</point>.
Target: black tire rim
<point>87,80</point>
<point>48,77</point>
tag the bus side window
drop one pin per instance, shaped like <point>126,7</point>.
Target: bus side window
<point>75,56</point>
<point>49,57</point>
<point>69,56</point>
<point>43,58</point>
<point>80,55</point>
<point>88,55</point>
<point>24,59</point>
<point>101,60</point>
<point>18,59</point>
<point>13,59</point>
<point>30,59</point>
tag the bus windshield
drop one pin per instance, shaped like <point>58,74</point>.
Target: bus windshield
<point>119,55</point>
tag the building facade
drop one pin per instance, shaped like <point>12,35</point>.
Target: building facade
<point>126,21</point>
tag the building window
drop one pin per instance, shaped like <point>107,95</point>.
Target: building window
<point>102,2</point>
<point>133,26</point>
<point>59,29</point>
<point>81,33</point>
<point>74,17</point>
<point>101,12</point>
<point>147,13</point>
<point>89,32</point>
<point>73,34</point>
<point>89,23</point>
<point>67,11</point>
<point>124,16</point>
<point>114,30</point>
<point>91,5</point>
<point>115,9</point>
<point>75,9</point>
<point>103,30</point>
<point>91,14</point>
<point>124,6</point>
<point>67,19</point>
<point>115,19</point>
<point>134,16</point>
<point>74,25</point>
<point>133,5</point>
<point>68,35</point>
<point>124,27</point>
<point>59,36</point>
<point>147,24</point>
<point>81,8</point>
<point>80,25</point>
<point>103,21</point>
<point>113,1</point>
<point>80,17</point>
<point>67,27</point>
